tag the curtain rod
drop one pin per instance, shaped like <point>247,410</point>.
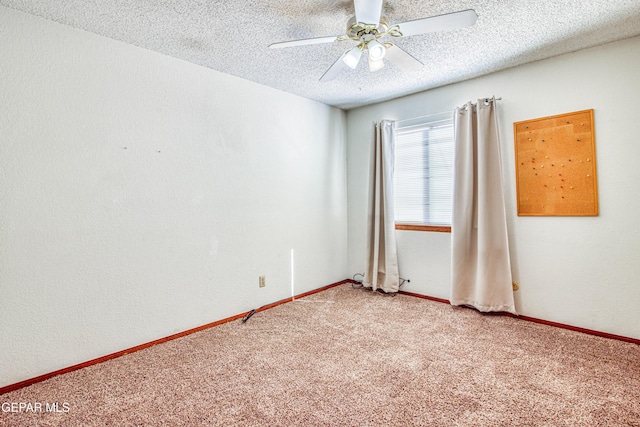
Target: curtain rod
<point>486,100</point>
<point>424,117</point>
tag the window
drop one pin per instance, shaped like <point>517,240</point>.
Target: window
<point>423,173</point>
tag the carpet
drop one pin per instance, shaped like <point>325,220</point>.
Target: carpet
<point>352,357</point>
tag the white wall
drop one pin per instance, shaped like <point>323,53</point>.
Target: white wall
<point>580,271</point>
<point>141,196</point>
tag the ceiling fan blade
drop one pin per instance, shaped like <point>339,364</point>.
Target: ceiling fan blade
<point>335,69</point>
<point>449,21</point>
<point>368,11</point>
<point>303,42</point>
<point>402,59</point>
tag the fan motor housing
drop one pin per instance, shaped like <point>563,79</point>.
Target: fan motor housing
<point>355,30</point>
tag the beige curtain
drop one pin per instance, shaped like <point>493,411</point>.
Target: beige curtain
<point>381,269</point>
<point>481,267</point>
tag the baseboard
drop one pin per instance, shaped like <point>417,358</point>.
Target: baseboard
<point>28,382</point>
<point>579,329</point>
<point>541,321</point>
<point>411,294</point>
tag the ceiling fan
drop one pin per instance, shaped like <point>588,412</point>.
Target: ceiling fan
<point>367,28</point>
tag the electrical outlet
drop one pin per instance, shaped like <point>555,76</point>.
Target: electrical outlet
<point>515,285</point>
<point>262,281</point>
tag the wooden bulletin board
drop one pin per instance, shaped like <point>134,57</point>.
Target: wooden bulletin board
<point>556,165</point>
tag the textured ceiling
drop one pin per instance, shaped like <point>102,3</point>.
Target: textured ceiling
<point>233,36</point>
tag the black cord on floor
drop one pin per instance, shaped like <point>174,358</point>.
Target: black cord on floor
<point>248,316</point>
<point>358,283</point>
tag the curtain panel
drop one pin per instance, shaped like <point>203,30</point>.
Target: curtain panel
<point>381,267</point>
<point>481,266</point>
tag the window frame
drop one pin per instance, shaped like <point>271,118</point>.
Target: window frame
<point>425,121</point>
<point>420,227</point>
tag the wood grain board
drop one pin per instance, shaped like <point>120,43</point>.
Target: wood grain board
<point>556,165</point>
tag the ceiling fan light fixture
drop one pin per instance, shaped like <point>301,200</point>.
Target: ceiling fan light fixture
<point>352,57</point>
<point>375,65</point>
<point>368,26</point>
<point>376,50</point>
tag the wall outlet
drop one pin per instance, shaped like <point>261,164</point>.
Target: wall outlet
<point>262,281</point>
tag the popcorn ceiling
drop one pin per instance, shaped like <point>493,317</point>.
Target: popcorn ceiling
<point>233,37</point>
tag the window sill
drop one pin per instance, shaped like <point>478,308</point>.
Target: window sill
<point>415,227</point>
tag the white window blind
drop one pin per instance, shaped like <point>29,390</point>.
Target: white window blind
<point>423,171</point>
